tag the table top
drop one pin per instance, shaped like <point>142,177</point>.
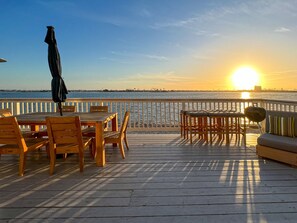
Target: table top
<point>86,118</point>
<point>210,113</point>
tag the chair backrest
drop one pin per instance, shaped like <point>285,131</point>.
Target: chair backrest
<point>125,122</point>
<point>10,134</point>
<point>98,108</point>
<point>5,112</point>
<point>67,108</point>
<point>64,130</point>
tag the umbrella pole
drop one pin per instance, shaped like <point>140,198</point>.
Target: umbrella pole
<point>60,108</point>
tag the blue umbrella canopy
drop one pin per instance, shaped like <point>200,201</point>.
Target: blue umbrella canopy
<point>58,86</point>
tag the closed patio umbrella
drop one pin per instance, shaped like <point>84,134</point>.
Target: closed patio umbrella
<point>58,86</point>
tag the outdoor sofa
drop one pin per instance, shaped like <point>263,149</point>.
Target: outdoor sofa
<point>279,142</point>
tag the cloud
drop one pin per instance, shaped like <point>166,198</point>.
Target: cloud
<point>282,30</point>
<point>280,75</point>
<point>286,71</point>
<point>232,14</point>
<point>176,23</point>
<point>114,60</point>
<point>156,77</point>
<point>207,34</point>
<point>138,55</point>
<point>156,57</point>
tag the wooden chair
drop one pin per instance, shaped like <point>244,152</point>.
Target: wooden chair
<point>98,108</point>
<point>67,108</point>
<point>91,129</point>
<point>13,142</point>
<point>197,124</point>
<point>5,112</point>
<point>117,136</point>
<point>65,136</point>
<point>27,134</point>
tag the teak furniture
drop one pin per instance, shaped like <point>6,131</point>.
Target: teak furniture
<point>97,119</point>
<point>13,142</point>
<point>115,137</point>
<point>65,136</point>
<point>278,143</point>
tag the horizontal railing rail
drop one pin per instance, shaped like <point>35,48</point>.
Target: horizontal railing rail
<point>147,114</point>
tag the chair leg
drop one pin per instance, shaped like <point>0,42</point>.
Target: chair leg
<point>126,142</point>
<point>122,149</point>
<point>92,149</point>
<point>81,162</point>
<point>22,164</point>
<point>52,162</point>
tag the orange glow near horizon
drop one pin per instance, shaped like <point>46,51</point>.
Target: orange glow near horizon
<point>245,78</point>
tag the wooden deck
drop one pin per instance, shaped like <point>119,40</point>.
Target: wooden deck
<point>162,179</point>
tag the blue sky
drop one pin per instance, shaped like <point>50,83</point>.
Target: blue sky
<point>148,44</point>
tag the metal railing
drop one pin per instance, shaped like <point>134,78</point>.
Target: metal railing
<point>147,114</point>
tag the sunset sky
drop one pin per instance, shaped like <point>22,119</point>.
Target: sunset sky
<point>149,44</point>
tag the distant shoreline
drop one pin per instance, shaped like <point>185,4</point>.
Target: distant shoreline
<point>128,90</point>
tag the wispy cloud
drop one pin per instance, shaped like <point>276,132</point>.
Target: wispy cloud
<point>176,23</point>
<point>282,30</point>
<point>139,55</point>
<point>147,81</point>
<point>207,33</point>
<point>285,72</point>
<point>114,60</point>
<point>156,77</point>
<point>253,9</point>
<point>280,75</point>
<point>156,57</point>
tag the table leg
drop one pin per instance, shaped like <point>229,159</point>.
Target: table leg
<point>227,130</point>
<point>100,148</point>
<point>190,123</point>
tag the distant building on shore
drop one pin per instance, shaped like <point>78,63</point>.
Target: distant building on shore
<point>257,88</point>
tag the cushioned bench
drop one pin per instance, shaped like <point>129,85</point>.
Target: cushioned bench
<point>279,142</point>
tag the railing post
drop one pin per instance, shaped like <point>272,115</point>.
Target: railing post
<point>16,108</point>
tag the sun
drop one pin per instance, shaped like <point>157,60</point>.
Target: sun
<point>245,78</point>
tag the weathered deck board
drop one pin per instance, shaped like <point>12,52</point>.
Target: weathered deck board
<point>162,179</point>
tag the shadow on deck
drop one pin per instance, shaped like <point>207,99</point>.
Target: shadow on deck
<point>162,179</point>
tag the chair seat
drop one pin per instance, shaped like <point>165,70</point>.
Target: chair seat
<point>73,148</point>
<point>35,143</point>
<point>29,134</point>
<point>32,143</point>
<point>41,133</point>
<point>111,134</point>
<point>88,130</point>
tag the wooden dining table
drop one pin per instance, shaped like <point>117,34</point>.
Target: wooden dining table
<point>97,119</point>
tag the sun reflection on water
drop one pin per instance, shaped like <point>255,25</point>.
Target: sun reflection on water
<point>245,95</point>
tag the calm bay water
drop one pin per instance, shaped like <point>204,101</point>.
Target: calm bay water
<point>290,96</point>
